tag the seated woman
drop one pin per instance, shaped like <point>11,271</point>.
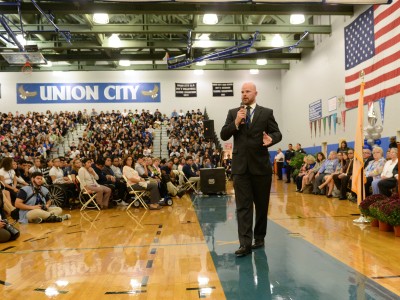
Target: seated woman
<point>342,157</point>
<point>8,178</point>
<point>138,183</point>
<point>327,168</point>
<point>309,177</point>
<point>387,171</point>
<point>302,172</point>
<point>87,178</point>
<point>386,185</point>
<point>374,168</point>
<point>302,179</point>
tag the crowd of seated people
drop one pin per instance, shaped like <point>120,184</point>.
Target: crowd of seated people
<point>334,174</point>
<point>24,136</point>
<point>109,139</point>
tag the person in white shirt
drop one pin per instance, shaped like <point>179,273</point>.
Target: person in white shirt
<point>8,178</point>
<point>387,170</point>
<point>279,159</point>
<point>36,166</point>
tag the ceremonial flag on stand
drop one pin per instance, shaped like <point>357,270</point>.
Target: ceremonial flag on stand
<point>372,44</point>
<point>357,183</point>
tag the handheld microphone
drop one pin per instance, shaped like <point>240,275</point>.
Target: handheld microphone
<point>243,121</point>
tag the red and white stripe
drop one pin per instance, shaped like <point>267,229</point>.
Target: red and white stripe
<point>382,72</point>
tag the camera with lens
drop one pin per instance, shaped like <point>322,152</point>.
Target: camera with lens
<point>12,230</point>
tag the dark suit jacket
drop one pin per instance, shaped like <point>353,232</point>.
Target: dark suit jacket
<point>248,150</point>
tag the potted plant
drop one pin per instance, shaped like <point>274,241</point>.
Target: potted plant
<point>381,210</point>
<point>366,204</point>
<point>392,211</point>
<point>296,162</point>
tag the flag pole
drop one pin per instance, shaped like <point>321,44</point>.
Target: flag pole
<point>358,162</point>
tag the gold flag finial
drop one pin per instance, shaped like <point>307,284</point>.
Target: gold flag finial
<point>362,75</point>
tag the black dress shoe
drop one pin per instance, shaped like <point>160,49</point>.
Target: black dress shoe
<point>243,251</point>
<point>258,243</point>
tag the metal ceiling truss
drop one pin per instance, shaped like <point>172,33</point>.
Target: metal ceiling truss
<point>72,41</point>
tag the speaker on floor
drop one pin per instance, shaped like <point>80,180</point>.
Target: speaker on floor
<point>208,129</point>
<point>212,181</point>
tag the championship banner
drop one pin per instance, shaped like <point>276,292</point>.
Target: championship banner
<point>185,89</point>
<point>324,121</point>
<point>329,123</point>
<point>57,93</point>
<point>222,89</point>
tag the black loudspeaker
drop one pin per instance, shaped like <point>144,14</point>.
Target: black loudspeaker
<point>212,181</point>
<point>208,129</point>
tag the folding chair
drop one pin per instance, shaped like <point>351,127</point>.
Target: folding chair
<point>90,197</point>
<point>187,184</point>
<point>138,195</point>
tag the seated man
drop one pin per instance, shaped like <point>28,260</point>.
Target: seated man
<point>56,174</point>
<point>141,167</point>
<point>169,177</point>
<point>112,178</point>
<point>190,174</point>
<point>35,205</point>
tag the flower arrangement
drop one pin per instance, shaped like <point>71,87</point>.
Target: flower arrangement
<point>368,201</point>
<point>389,212</point>
<point>376,208</point>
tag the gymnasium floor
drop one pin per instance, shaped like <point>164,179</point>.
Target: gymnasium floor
<point>313,251</point>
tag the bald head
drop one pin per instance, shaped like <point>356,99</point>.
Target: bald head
<point>249,93</point>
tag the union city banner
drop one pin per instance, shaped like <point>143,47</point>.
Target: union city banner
<point>46,93</point>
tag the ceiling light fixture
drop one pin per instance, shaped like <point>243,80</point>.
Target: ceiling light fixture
<point>262,61</point>
<point>114,41</point>
<point>21,39</point>
<point>101,18</point>
<point>204,40</point>
<point>254,71</point>
<point>277,41</point>
<point>297,19</point>
<point>125,63</point>
<point>210,19</point>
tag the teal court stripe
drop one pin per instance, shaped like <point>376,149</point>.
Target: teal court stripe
<point>289,267</point>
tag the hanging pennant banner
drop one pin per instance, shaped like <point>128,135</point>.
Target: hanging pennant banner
<point>329,124</point>
<point>382,108</point>
<point>334,117</point>
<point>324,120</point>
<point>315,128</point>
<point>311,128</point>
<point>319,126</point>
<point>370,103</point>
<point>344,120</point>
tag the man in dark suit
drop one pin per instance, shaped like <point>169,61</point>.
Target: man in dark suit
<point>254,129</point>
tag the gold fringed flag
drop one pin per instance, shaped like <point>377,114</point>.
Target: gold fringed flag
<point>357,184</point>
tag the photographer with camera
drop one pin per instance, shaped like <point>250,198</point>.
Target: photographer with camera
<point>35,205</point>
<point>7,231</point>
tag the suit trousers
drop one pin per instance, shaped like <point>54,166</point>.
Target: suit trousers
<point>385,186</point>
<point>251,190</point>
<point>341,184</point>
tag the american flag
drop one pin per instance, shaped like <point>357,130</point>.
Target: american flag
<point>372,44</point>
